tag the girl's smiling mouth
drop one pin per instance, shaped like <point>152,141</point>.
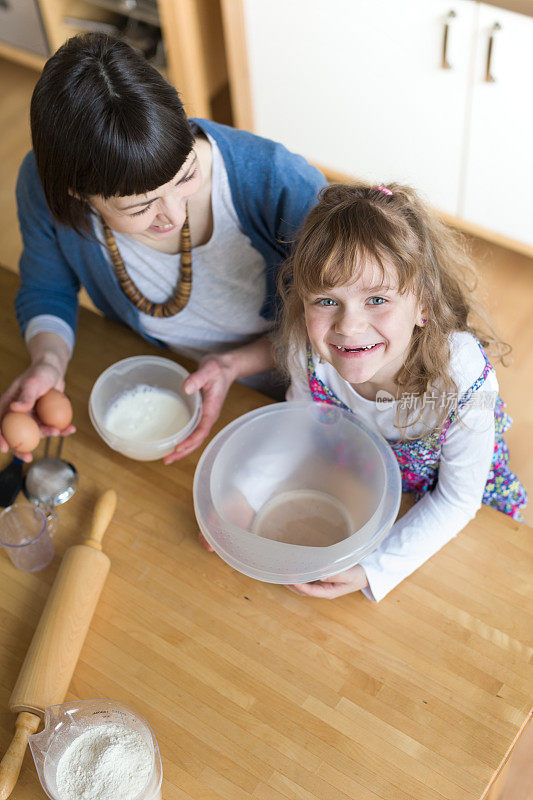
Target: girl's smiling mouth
<point>350,351</point>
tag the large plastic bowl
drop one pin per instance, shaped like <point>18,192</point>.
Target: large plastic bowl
<point>128,374</point>
<point>294,492</point>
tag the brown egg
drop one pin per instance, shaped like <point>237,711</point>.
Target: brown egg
<point>20,431</point>
<point>54,409</point>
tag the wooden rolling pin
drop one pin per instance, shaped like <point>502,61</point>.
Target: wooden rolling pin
<point>51,659</point>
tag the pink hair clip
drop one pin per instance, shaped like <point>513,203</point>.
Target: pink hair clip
<point>383,189</point>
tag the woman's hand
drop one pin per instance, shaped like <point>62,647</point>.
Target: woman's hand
<point>352,580</point>
<point>50,355</point>
<point>213,378</point>
<point>24,393</point>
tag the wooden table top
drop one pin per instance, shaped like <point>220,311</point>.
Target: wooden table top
<point>252,691</point>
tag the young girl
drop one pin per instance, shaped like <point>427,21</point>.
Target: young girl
<point>175,227</point>
<point>378,318</point>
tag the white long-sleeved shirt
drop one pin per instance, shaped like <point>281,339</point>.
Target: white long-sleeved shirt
<point>463,468</point>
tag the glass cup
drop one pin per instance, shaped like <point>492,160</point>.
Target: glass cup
<point>25,535</point>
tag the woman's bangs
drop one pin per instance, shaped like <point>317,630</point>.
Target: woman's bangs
<point>138,172</point>
<point>134,162</point>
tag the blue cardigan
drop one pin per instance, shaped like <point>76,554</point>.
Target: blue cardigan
<point>272,191</point>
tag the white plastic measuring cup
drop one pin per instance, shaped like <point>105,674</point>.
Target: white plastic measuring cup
<point>65,722</point>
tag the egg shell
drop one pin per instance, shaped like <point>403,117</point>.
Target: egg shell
<point>20,431</point>
<point>54,409</point>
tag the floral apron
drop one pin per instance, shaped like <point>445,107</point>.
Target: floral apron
<point>418,459</point>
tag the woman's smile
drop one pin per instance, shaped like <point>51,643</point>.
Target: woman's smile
<point>161,228</point>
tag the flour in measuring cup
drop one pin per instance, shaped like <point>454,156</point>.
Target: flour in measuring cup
<point>108,762</point>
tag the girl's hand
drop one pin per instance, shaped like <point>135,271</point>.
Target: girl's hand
<point>204,543</point>
<point>24,393</point>
<point>213,378</point>
<point>352,580</point>
<point>242,514</point>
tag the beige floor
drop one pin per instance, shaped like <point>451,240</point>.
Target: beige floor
<point>507,279</point>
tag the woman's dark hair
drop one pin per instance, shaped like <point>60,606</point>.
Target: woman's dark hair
<point>104,122</point>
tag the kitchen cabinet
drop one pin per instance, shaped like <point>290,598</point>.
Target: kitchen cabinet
<point>22,26</point>
<point>191,32</point>
<point>499,163</point>
<point>359,87</point>
<point>396,91</point>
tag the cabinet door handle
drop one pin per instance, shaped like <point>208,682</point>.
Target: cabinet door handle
<point>489,77</point>
<point>451,15</point>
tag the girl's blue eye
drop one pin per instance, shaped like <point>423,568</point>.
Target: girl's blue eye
<point>376,301</point>
<point>326,302</point>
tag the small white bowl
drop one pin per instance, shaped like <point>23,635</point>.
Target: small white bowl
<point>125,375</point>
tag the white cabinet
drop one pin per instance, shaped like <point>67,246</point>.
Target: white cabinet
<point>361,88</point>
<point>499,165</point>
<point>358,86</point>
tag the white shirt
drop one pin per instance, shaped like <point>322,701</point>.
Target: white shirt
<point>464,464</point>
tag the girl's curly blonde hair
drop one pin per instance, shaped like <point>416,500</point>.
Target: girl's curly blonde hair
<point>353,225</point>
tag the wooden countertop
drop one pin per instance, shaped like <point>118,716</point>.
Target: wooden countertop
<point>254,692</point>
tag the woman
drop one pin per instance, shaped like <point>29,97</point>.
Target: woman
<point>119,183</point>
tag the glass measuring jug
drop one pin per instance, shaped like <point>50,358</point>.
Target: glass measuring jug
<point>25,534</point>
<point>66,722</point>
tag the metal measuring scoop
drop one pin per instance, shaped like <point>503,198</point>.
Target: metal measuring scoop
<point>51,481</point>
